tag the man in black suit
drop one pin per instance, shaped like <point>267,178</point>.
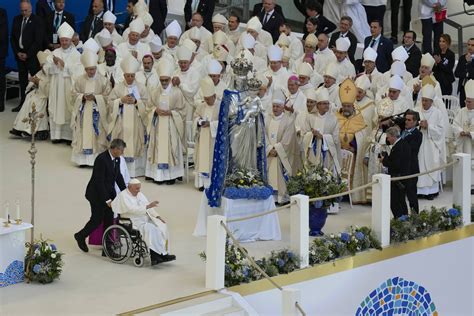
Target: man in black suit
<point>101,190</point>
<point>26,40</point>
<point>271,19</point>
<point>54,21</point>
<point>398,164</point>
<point>412,135</point>
<point>465,70</point>
<point>258,9</point>
<point>109,5</point>
<point>414,53</point>
<point>130,16</point>
<point>314,9</point>
<point>3,55</point>
<point>93,23</point>
<point>158,10</point>
<point>204,7</point>
<point>406,17</point>
<point>344,26</point>
<point>381,44</point>
<point>44,7</point>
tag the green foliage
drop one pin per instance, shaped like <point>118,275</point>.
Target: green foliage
<point>43,262</point>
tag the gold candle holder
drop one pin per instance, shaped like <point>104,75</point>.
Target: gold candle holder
<point>6,223</point>
<point>18,221</point>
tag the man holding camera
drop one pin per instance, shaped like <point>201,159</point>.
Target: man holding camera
<point>398,164</point>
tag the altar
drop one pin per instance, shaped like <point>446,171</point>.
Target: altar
<point>12,252</point>
<point>265,227</point>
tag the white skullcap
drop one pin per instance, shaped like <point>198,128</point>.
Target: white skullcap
<point>220,53</point>
<point>396,82</point>
<point>184,53</point>
<point>275,53</point>
<point>331,70</point>
<point>219,19</point>
<point>370,54</point>
<point>134,181</point>
<point>363,83</point>
<point>42,56</point>
<point>283,40</point>
<point>155,44</point>
<point>304,69</point>
<point>109,17</point>
<point>343,44</point>
<point>195,33</point>
<point>311,94</point>
<point>89,58</point>
<point>400,54</point>
<point>322,95</point>
<point>428,92</point>
<point>130,65</point>
<point>248,41</point>
<point>189,44</point>
<point>140,8</point>
<point>214,67</point>
<point>165,68</point>
<point>427,60</point>
<point>311,40</point>
<point>91,45</point>
<point>137,26</point>
<point>398,68</point>
<point>147,18</point>
<point>219,38</point>
<point>173,29</point>
<point>254,24</point>
<point>207,87</point>
<point>278,97</point>
<point>469,89</point>
<point>104,38</point>
<point>65,31</point>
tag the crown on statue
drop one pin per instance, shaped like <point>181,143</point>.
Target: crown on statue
<point>254,84</point>
<point>241,66</point>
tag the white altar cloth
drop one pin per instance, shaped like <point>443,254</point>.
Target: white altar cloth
<point>261,228</point>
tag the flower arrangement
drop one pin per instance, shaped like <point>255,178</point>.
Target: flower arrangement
<point>43,262</point>
<point>316,181</point>
<point>246,184</point>
<point>409,227</point>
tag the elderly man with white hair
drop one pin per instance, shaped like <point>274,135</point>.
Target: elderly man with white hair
<point>278,74</point>
<point>131,203</point>
<point>109,26</point>
<point>365,100</point>
<point>331,83</point>
<point>345,69</point>
<point>370,69</point>
<point>158,52</point>
<point>263,38</point>
<point>214,71</point>
<point>173,32</point>
<point>197,22</point>
<point>132,44</point>
<point>324,56</point>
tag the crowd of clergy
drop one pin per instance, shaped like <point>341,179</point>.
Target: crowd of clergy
<point>158,93</point>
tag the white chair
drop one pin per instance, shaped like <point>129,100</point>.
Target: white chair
<point>189,147</point>
<point>346,168</point>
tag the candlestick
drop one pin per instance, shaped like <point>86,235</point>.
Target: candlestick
<point>7,210</point>
<point>17,203</point>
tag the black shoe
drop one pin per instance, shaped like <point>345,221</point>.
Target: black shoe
<point>148,178</point>
<point>67,142</point>
<point>15,132</point>
<point>41,135</point>
<point>201,189</point>
<point>156,261</point>
<point>83,166</point>
<point>166,258</point>
<point>430,197</point>
<point>180,179</point>
<point>472,191</point>
<point>171,182</point>
<point>17,109</point>
<point>159,182</point>
<point>56,141</point>
<point>81,242</point>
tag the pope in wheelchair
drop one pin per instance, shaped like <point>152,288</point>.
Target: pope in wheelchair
<point>148,229</point>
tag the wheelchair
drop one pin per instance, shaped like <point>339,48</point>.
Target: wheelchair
<point>121,242</point>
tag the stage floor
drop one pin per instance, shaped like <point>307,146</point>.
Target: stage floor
<point>89,284</point>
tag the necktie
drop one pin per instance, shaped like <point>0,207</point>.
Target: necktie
<point>267,16</point>
<point>57,21</point>
<point>23,24</point>
<point>372,44</point>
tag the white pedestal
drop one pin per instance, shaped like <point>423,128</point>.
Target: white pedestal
<point>12,253</point>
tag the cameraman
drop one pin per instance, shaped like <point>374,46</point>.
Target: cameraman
<point>412,135</point>
<point>398,164</point>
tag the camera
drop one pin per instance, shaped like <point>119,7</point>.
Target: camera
<point>383,154</point>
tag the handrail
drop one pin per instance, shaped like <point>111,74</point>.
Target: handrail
<point>261,214</point>
<point>322,198</point>
<point>426,172</point>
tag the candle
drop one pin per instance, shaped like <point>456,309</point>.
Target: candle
<point>17,209</point>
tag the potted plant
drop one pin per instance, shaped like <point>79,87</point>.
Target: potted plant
<point>316,181</point>
<point>43,262</point>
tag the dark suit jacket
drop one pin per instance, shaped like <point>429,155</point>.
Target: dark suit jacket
<point>464,71</point>
<point>384,53</point>
<point>105,6</point>
<point>414,140</point>
<point>205,7</point>
<point>158,9</point>
<point>399,160</point>
<point>33,35</point>
<point>443,71</point>
<point>101,186</point>
<point>86,27</point>
<point>42,9</point>
<point>352,38</point>
<point>3,34</point>
<point>50,30</point>
<point>414,60</point>
<point>273,24</point>
<point>324,25</point>
<point>258,9</point>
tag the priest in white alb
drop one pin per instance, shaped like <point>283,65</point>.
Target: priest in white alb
<point>344,68</point>
<point>279,75</point>
<point>132,45</point>
<point>109,25</point>
<point>111,69</point>
<point>148,76</point>
<point>132,204</point>
<point>173,32</point>
<point>370,70</point>
<point>332,85</point>
<point>365,100</point>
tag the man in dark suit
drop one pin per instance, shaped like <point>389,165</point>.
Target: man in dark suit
<point>93,23</point>
<point>271,19</point>
<point>258,9</point>
<point>381,44</point>
<point>158,10</point>
<point>398,164</point>
<point>44,7</point>
<point>414,53</point>
<point>465,70</point>
<point>26,40</point>
<point>101,190</point>
<point>3,55</point>
<point>204,7</point>
<point>54,21</point>
<point>314,9</point>
<point>412,135</point>
<point>130,16</point>
<point>344,26</point>
<point>109,5</point>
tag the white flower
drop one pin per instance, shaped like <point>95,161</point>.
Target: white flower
<point>326,170</point>
<point>37,252</point>
<point>332,236</point>
<point>318,177</point>
<point>424,224</point>
<point>340,235</point>
<point>53,255</point>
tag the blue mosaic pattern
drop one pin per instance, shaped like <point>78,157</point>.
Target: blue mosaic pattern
<point>13,274</point>
<point>398,296</point>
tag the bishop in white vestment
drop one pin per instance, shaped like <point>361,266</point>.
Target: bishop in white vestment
<point>132,46</point>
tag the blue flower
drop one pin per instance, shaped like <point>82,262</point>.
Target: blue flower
<point>345,237</point>
<point>290,255</point>
<point>53,247</point>
<point>359,236</point>
<point>36,268</point>
<point>280,263</point>
<point>227,269</point>
<point>453,212</point>
<point>403,218</point>
<point>245,271</point>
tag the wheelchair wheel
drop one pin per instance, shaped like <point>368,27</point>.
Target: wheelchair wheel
<point>117,243</point>
<point>138,261</point>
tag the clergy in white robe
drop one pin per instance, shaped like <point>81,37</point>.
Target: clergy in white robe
<point>148,76</point>
<point>331,83</point>
<point>304,72</point>
<point>173,32</point>
<point>249,44</point>
<point>296,100</point>
<point>158,52</point>
<point>296,46</point>
<point>283,155</point>
<point>370,70</point>
<point>345,69</point>
<point>214,70</point>
<point>364,101</point>
<point>132,204</point>
<point>109,25</point>
<point>397,68</point>
<point>36,94</point>
<point>324,56</point>
<point>89,117</point>
<point>166,130</point>
<point>206,35</point>
<point>263,38</point>
<point>62,66</point>
<point>206,119</point>
<point>309,49</point>
<point>233,28</point>
<point>432,152</point>
<point>127,116</point>
<point>278,74</point>
<point>132,46</point>
<point>147,35</point>
<point>110,69</point>
<point>397,101</point>
<point>221,38</point>
<point>104,39</point>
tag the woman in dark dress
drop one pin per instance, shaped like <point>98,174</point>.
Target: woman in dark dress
<point>443,68</point>
<point>311,26</point>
